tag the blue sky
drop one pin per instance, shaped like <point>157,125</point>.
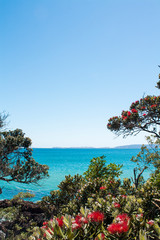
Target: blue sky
<point>66,67</point>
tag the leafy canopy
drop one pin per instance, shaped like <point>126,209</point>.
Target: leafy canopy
<point>144,115</point>
<point>16,161</point>
<point>98,169</point>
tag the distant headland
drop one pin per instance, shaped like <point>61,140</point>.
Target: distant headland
<point>131,146</point>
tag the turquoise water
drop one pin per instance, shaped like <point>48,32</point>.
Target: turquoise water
<point>68,161</point>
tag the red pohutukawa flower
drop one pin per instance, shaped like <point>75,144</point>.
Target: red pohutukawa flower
<point>49,231</point>
<point>102,188</point>
<point>122,218</point>
<point>96,216</point>
<point>117,205</point>
<point>124,117</point>
<point>129,113</point>
<point>45,226</point>
<point>81,220</point>
<point>60,221</point>
<point>134,110</point>
<point>121,225</point>
<point>123,196</point>
<point>153,105</point>
<point>151,222</point>
<point>45,223</point>
<point>75,225</point>
<point>118,228</point>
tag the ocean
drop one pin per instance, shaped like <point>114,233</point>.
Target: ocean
<point>71,161</point>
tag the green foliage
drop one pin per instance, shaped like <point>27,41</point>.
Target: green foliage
<point>82,197</point>
<point>8,214</point>
<point>144,115</point>
<point>155,179</point>
<point>126,217</point>
<point>3,118</point>
<point>130,211</point>
<point>59,199</point>
<point>16,161</point>
<point>17,164</point>
<point>22,195</point>
<point>98,169</point>
<point>105,195</point>
<point>148,157</point>
<point>74,191</point>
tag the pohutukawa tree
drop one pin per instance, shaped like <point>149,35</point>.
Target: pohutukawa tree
<point>16,161</point>
<point>144,115</point>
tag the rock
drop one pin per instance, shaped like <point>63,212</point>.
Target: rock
<point>29,214</point>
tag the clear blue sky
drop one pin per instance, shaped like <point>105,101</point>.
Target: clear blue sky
<point>67,66</point>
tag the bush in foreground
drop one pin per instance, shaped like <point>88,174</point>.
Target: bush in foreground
<point>108,216</point>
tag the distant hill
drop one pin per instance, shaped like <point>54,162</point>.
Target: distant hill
<point>132,146</point>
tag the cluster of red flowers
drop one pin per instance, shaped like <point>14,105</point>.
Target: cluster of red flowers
<point>60,221</point>
<point>135,103</point>
<point>123,196</point>
<point>102,188</point>
<point>113,118</point>
<point>147,99</point>
<point>153,106</point>
<point>45,226</point>
<point>148,103</point>
<point>151,222</point>
<point>96,216</point>
<point>122,217</point>
<point>93,217</point>
<point>134,110</point>
<point>124,117</point>
<point>120,226</point>
<point>126,114</point>
<point>77,223</point>
<point>81,220</point>
<point>117,205</point>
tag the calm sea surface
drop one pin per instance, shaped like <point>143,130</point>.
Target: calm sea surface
<point>63,162</point>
